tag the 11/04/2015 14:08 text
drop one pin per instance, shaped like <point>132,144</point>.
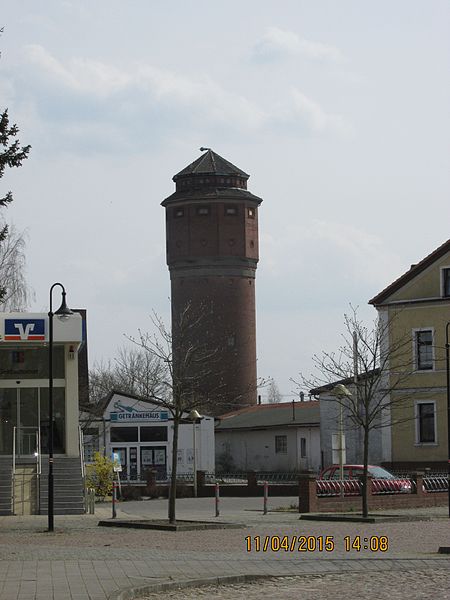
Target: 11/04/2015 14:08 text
<point>310,543</point>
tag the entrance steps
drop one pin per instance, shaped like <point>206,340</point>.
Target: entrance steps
<point>68,486</point>
<point>30,490</point>
<point>6,485</point>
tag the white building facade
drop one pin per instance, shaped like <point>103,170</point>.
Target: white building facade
<point>25,414</point>
<point>24,383</point>
<point>140,432</point>
<point>281,437</point>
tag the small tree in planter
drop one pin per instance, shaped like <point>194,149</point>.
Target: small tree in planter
<point>99,475</point>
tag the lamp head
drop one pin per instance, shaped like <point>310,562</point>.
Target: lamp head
<point>340,391</point>
<point>63,311</point>
<point>194,415</point>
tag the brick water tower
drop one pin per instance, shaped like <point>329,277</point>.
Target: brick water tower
<point>212,254</point>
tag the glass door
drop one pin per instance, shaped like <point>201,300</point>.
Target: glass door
<point>27,421</point>
<point>153,457</point>
<point>8,419</point>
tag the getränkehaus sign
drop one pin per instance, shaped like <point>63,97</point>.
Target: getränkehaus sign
<point>129,414</point>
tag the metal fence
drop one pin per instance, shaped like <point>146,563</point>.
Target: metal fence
<point>353,487</point>
<point>432,482</point>
<point>230,478</point>
<point>261,477</point>
<point>436,482</point>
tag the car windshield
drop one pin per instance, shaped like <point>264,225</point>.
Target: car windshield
<point>380,473</point>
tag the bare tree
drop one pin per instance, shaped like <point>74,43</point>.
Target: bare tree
<point>17,293</point>
<point>365,359</point>
<point>134,371</point>
<point>11,155</point>
<point>188,364</point>
<point>273,393</point>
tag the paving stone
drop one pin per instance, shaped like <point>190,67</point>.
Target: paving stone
<point>80,561</point>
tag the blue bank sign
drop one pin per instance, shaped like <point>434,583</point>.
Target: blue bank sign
<point>24,330</point>
<point>129,413</point>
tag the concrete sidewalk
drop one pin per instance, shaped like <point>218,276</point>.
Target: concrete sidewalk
<point>82,561</point>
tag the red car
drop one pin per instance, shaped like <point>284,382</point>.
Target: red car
<point>383,482</point>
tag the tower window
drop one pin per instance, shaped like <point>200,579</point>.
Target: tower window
<point>251,213</point>
<point>231,210</point>
<point>203,210</point>
<point>178,212</point>
<point>231,341</point>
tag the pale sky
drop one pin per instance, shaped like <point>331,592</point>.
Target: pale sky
<point>339,111</point>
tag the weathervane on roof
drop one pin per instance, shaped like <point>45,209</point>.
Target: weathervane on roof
<point>202,149</point>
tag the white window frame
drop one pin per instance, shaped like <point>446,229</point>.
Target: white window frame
<point>444,268</point>
<point>416,414</point>
<point>303,448</point>
<point>415,331</point>
<point>284,451</point>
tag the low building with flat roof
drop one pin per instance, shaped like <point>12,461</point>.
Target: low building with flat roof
<point>283,437</point>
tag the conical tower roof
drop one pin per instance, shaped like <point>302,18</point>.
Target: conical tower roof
<point>211,163</point>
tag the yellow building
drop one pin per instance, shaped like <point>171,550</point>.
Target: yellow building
<point>415,309</point>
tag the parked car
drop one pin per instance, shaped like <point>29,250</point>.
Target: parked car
<point>383,482</point>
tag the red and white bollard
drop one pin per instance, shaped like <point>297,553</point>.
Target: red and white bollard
<point>217,497</point>
<point>266,495</point>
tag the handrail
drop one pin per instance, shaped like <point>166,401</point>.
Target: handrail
<point>83,470</point>
<point>81,442</point>
<point>13,474</point>
<point>14,452</point>
<point>38,450</point>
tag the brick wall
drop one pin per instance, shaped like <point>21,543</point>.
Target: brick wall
<point>228,329</point>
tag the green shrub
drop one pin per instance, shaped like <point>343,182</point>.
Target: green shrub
<point>99,475</point>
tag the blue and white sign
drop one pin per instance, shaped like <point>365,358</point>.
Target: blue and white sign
<point>129,413</point>
<point>24,330</point>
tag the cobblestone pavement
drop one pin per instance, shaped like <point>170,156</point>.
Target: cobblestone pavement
<point>81,561</point>
<point>414,585</point>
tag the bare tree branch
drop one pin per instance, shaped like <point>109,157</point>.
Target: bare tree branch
<point>383,365</point>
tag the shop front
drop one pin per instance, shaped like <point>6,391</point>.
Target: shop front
<point>24,395</point>
<point>141,433</point>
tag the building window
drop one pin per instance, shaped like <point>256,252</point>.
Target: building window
<point>424,349</point>
<point>203,210</point>
<point>231,210</point>
<point>251,213</point>
<point>426,423</point>
<point>124,434</point>
<point>178,212</point>
<point>89,451</point>
<point>30,363</point>
<point>281,444</point>
<point>154,434</point>
<point>446,282</point>
<point>302,447</point>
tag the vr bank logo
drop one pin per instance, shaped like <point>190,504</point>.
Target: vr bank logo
<point>24,329</point>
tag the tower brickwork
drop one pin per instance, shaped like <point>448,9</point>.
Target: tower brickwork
<point>212,254</point>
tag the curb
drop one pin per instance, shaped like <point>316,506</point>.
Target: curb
<point>180,525</point>
<point>138,592</point>
<point>134,593</point>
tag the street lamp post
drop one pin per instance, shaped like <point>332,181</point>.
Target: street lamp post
<point>340,392</point>
<point>447,363</point>
<point>63,312</point>
<point>194,416</point>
